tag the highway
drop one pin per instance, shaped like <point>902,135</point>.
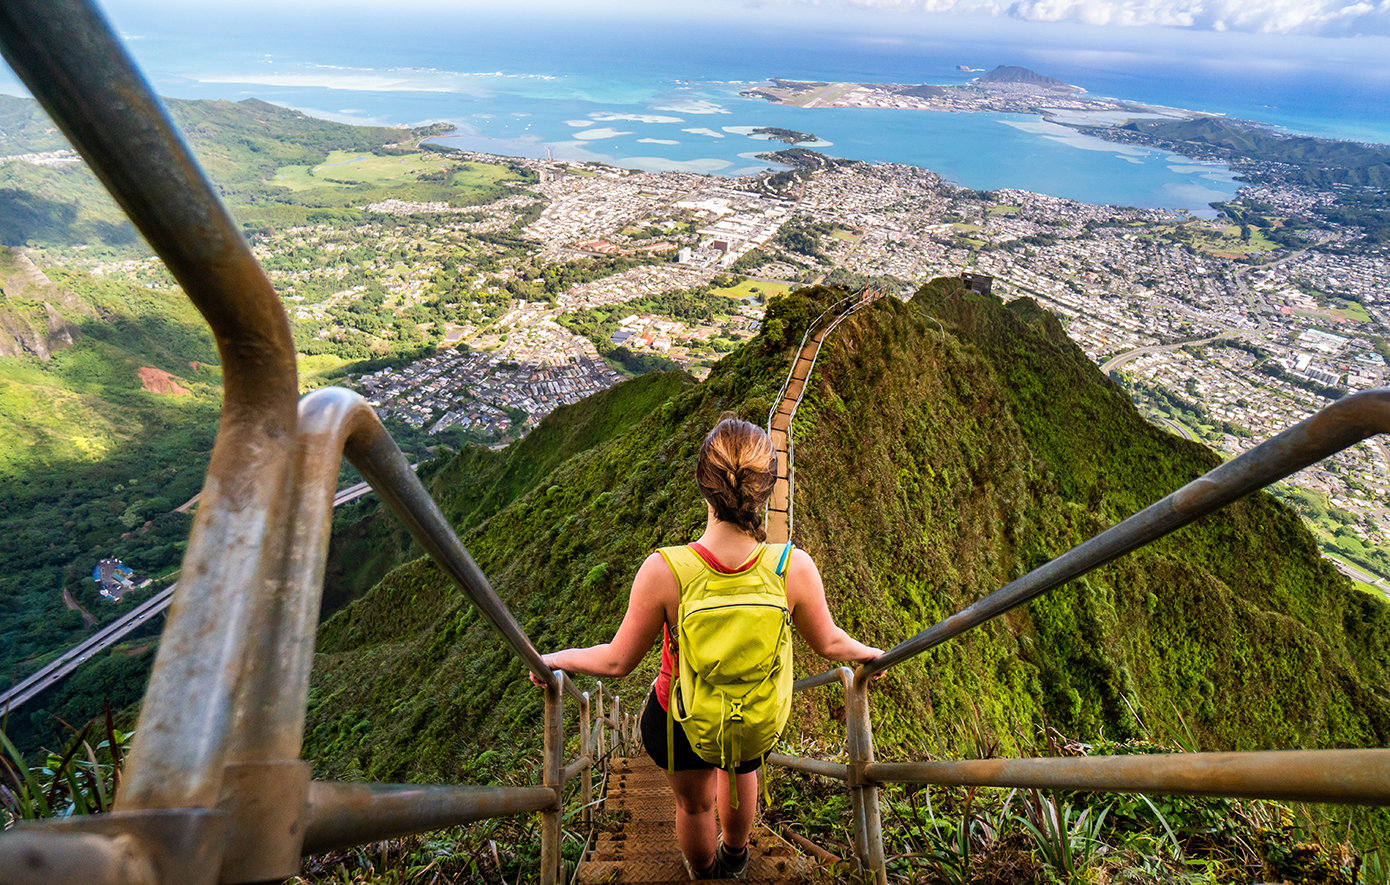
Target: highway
<point>1356,573</point>
<point>1177,428</point>
<point>58,669</point>
<point>1120,359</point>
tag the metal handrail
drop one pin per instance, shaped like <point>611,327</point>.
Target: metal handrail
<point>370,448</point>
<point>1350,776</point>
<point>1344,423</point>
<point>214,790</point>
<point>70,60</point>
<point>274,794</point>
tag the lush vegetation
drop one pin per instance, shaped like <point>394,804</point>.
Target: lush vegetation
<point>931,470</point>
<point>74,781</point>
<point>264,160</point>
<point>790,136</point>
<point>368,540</point>
<point>1318,161</point>
<point>92,465</point>
<point>1359,173</point>
<point>92,459</point>
<point>1010,837</point>
<point>804,158</point>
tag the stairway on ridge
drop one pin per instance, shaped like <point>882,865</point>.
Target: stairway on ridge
<point>639,844</point>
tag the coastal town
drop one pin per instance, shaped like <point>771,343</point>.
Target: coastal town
<point>1220,334</point>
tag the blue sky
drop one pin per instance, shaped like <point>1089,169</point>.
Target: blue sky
<point>1281,36</point>
<point>1328,18</point>
<point>1315,66</point>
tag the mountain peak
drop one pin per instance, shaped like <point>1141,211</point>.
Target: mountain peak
<point>1013,74</point>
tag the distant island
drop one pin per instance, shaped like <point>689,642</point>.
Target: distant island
<point>790,136</point>
<point>1006,89</point>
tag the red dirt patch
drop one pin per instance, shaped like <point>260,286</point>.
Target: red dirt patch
<point>160,381</point>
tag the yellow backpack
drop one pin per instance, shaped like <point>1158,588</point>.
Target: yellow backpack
<point>733,690</point>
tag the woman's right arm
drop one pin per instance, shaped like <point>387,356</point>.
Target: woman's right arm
<point>653,592</point>
<point>811,614</point>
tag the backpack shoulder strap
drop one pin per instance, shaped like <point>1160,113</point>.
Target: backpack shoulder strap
<point>775,561</point>
<point>685,564</point>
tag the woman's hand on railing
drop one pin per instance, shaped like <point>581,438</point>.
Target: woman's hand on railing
<point>550,664</point>
<point>872,653</point>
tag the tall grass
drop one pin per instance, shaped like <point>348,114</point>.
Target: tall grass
<point>82,779</point>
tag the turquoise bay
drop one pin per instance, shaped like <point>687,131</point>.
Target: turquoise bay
<point>595,93</point>
<point>705,127</point>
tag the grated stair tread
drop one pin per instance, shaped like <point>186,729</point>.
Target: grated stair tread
<point>641,847</point>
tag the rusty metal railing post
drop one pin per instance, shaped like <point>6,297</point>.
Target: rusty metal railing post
<point>196,724</point>
<point>551,777</point>
<point>586,779</point>
<point>618,726</point>
<point>601,738</point>
<point>868,824</point>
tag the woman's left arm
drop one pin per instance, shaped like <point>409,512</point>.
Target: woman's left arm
<point>653,588</point>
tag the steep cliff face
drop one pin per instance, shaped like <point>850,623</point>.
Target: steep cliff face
<point>946,446</point>
<point>36,316</point>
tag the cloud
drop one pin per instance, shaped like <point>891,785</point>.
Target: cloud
<point>1321,17</point>
<point>1328,18</point>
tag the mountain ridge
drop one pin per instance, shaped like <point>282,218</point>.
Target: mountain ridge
<point>37,317</point>
<point>930,472</point>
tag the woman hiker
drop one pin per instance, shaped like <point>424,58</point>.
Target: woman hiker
<point>735,474</point>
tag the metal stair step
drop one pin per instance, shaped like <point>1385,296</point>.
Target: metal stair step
<point>641,845</point>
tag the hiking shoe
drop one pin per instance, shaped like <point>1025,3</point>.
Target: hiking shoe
<point>731,865</point>
<point>711,873</point>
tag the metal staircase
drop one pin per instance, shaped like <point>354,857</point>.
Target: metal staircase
<point>639,846</point>
<point>779,420</point>
<point>215,791</point>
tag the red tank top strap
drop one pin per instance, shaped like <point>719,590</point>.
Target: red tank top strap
<point>668,667</point>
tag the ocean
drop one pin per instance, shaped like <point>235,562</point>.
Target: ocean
<point>665,95</point>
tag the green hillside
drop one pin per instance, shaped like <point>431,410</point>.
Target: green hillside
<point>92,462</point>
<point>931,470</point>
<point>262,158</point>
<point>1319,161</point>
<point>25,128</point>
<point>109,380</point>
<point>368,540</point>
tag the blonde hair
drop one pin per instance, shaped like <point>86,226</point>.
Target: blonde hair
<point>736,471</point>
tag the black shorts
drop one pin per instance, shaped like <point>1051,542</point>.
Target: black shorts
<point>654,739</point>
